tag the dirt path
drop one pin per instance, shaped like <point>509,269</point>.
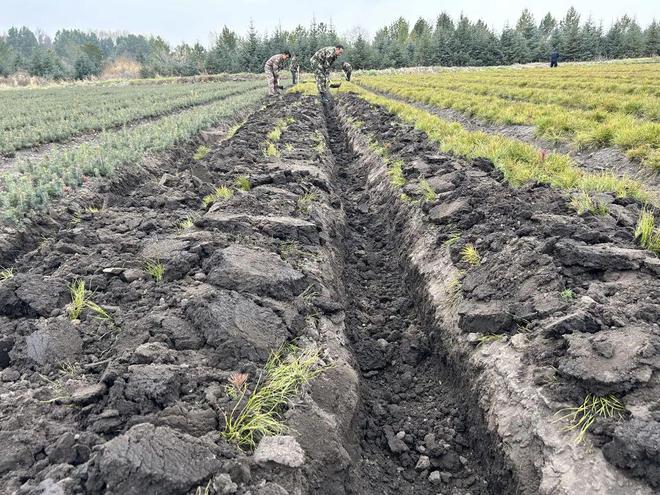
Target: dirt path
<point>412,425</point>
<point>596,160</point>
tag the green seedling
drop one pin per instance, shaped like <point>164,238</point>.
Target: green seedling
<point>221,193</point>
<point>187,223</point>
<point>646,233</point>
<point>427,191</point>
<point>259,413</point>
<point>288,147</point>
<point>201,152</point>
<point>156,269</point>
<point>567,294</point>
<point>275,135</point>
<point>581,418</point>
<point>405,198</point>
<point>243,183</point>
<point>305,201</point>
<point>470,255</point>
<point>454,291</point>
<point>395,172</point>
<point>6,274</point>
<point>582,203</point>
<point>271,150</point>
<point>78,299</point>
<point>452,239</point>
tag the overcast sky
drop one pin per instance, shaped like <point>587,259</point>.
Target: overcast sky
<point>193,20</point>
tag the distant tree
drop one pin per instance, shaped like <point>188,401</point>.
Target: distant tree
<point>360,55</point>
<point>526,26</point>
<point>591,40</point>
<point>570,35</point>
<point>514,47</point>
<point>443,41</point>
<point>22,41</point>
<point>46,63</point>
<point>652,39</point>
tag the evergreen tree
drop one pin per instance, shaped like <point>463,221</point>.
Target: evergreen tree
<point>514,47</point>
<point>652,40</point>
<point>570,36</point>
<point>526,26</point>
<point>591,41</point>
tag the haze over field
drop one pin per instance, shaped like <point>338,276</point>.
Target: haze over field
<point>191,21</point>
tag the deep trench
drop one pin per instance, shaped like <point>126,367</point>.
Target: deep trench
<point>415,426</point>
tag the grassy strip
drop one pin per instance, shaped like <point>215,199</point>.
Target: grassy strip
<point>640,139</point>
<point>259,413</point>
<point>642,106</point>
<point>28,122</point>
<point>518,161</point>
<point>34,183</point>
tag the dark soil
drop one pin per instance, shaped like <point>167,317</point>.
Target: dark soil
<point>532,247</point>
<point>137,405</point>
<point>414,433</point>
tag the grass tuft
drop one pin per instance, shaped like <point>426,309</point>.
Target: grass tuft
<point>428,192</point>
<point>581,418</point>
<point>470,255</point>
<point>243,183</point>
<point>201,152</point>
<point>567,294</point>
<point>156,269</point>
<point>220,193</point>
<point>646,233</point>
<point>6,274</point>
<point>305,201</point>
<point>395,172</point>
<point>582,202</point>
<point>259,413</point>
<point>78,299</point>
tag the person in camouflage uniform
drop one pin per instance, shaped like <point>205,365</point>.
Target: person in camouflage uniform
<point>322,61</point>
<point>348,70</point>
<point>295,66</point>
<point>272,68</point>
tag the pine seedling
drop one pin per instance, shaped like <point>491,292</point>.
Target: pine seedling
<point>243,183</point>
<point>581,418</point>
<point>470,255</point>
<point>156,269</point>
<point>201,153</point>
<point>78,299</point>
<point>6,274</point>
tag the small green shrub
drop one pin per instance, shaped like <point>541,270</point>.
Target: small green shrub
<point>201,152</point>
<point>305,201</point>
<point>259,413</point>
<point>395,172</point>
<point>582,203</point>
<point>243,183</point>
<point>567,294</point>
<point>220,193</point>
<point>428,192</point>
<point>470,255</point>
<point>6,274</point>
<point>156,269</point>
<point>646,233</point>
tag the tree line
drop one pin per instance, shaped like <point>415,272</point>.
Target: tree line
<point>447,42</point>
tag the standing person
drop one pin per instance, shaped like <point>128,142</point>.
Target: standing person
<point>295,68</point>
<point>272,68</point>
<point>348,70</point>
<point>554,58</point>
<point>322,61</point>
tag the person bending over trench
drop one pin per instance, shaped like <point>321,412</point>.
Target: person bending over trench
<point>272,68</point>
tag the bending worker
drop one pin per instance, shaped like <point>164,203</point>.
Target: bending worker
<point>295,70</point>
<point>272,68</point>
<point>322,62</point>
<point>348,69</point>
